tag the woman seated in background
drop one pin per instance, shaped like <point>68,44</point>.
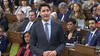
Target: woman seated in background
<point>24,45</point>
<point>17,25</point>
<point>7,7</point>
<point>24,8</point>
<point>71,35</point>
<point>77,12</point>
<point>53,12</point>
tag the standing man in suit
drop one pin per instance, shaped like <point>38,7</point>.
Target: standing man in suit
<point>28,23</point>
<point>47,34</point>
<point>92,38</point>
<point>64,12</point>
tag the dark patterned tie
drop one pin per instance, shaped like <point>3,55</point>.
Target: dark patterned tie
<point>47,31</point>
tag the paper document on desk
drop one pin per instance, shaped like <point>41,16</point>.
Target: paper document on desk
<point>81,24</point>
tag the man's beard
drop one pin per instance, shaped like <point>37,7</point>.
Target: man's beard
<point>93,28</point>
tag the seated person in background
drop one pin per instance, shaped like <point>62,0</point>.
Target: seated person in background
<point>3,40</point>
<point>71,35</point>
<point>94,12</point>
<point>92,38</point>
<point>64,12</point>
<point>55,2</point>
<point>53,12</point>
<point>17,25</point>
<point>7,7</point>
<point>24,45</point>
<point>88,4</point>
<point>29,22</point>
<point>36,7</point>
<point>98,11</point>
<point>3,21</point>
<point>77,12</point>
<point>31,1</point>
<point>24,8</point>
<point>71,2</point>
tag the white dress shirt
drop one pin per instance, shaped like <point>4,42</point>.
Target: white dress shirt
<point>49,26</point>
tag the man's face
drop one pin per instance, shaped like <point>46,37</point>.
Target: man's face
<point>20,16</point>
<point>1,32</point>
<point>62,10</point>
<point>36,5</point>
<point>92,25</point>
<point>32,16</point>
<point>95,13</point>
<point>98,9</point>
<point>45,13</point>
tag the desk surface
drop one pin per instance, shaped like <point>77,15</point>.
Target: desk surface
<point>70,52</point>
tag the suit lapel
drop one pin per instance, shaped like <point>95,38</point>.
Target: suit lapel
<point>52,30</point>
<point>94,36</point>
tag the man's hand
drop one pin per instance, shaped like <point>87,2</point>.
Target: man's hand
<point>46,53</point>
<point>53,53</point>
<point>70,4</point>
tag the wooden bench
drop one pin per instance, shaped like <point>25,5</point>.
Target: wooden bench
<point>64,26</point>
<point>13,37</point>
<point>10,18</point>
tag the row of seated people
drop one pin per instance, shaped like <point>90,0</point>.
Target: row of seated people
<point>71,36</point>
<point>8,8</point>
<point>21,14</point>
<point>77,13</point>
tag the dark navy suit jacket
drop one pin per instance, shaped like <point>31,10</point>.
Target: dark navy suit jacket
<point>22,29</point>
<point>60,15</point>
<point>3,44</point>
<point>95,39</point>
<point>98,18</point>
<point>36,10</point>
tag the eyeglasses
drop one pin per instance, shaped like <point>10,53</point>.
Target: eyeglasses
<point>19,14</point>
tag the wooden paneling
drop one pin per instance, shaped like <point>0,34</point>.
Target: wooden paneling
<point>10,18</point>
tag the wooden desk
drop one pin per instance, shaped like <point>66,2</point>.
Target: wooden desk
<point>74,53</point>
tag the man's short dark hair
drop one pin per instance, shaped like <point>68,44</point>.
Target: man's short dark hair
<point>93,7</point>
<point>93,19</point>
<point>20,11</point>
<point>71,20</point>
<point>2,28</point>
<point>42,5</point>
<point>33,11</point>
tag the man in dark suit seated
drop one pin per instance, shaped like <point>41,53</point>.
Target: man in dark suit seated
<point>36,7</point>
<point>98,11</point>
<point>28,23</point>
<point>3,21</point>
<point>92,38</point>
<point>94,12</point>
<point>64,12</point>
<point>48,34</point>
<point>3,40</point>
